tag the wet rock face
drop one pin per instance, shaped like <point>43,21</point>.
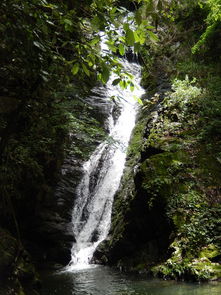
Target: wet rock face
<point>144,234</point>
<point>140,231</point>
<point>100,106</point>
<point>50,235</point>
<point>52,239</point>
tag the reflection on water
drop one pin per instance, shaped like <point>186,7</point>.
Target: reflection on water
<point>106,281</point>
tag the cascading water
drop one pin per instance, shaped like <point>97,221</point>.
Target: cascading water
<point>102,175</point>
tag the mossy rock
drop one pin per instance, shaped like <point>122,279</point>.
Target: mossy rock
<point>161,173</point>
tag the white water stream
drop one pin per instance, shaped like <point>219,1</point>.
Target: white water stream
<point>102,175</point>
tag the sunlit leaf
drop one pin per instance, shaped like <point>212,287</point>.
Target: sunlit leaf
<point>153,37</point>
<point>113,10</point>
<point>75,69</point>
<point>123,84</point>
<point>131,87</point>
<point>85,69</point>
<point>94,41</point>
<point>111,47</point>
<point>138,99</point>
<point>121,49</point>
<point>68,22</point>
<point>136,37</point>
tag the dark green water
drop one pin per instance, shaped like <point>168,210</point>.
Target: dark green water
<point>106,281</point>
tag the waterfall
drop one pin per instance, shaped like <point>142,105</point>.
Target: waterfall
<point>102,175</point>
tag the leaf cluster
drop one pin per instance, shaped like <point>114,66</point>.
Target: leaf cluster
<point>213,20</point>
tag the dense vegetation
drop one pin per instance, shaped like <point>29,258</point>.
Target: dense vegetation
<point>175,149</point>
<point>50,60</point>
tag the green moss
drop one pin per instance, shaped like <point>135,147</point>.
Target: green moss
<point>162,174</point>
<point>136,142</point>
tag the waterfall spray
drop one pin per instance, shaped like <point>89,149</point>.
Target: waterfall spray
<point>101,179</point>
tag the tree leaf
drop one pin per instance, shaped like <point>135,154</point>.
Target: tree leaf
<point>121,49</point>
<point>111,47</point>
<point>75,69</point>
<point>105,73</point>
<point>130,40</point>
<point>131,87</point>
<point>126,26</point>
<point>138,17</point>
<point>136,47</point>
<point>123,84</point>
<point>67,22</point>
<point>116,81</point>
<point>94,41</point>
<point>85,69</point>
<point>39,45</point>
<point>136,37</point>
<point>153,37</point>
<point>138,99</point>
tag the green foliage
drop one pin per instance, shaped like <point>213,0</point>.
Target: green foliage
<point>212,21</point>
<point>176,116</point>
<point>85,132</point>
<point>47,46</point>
<point>183,176</point>
<point>178,267</point>
<point>40,51</point>
<point>209,101</point>
<point>184,93</point>
<point>136,140</point>
<point>153,9</point>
